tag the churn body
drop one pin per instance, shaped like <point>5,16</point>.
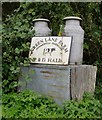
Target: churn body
<point>73,28</point>
<point>41,27</point>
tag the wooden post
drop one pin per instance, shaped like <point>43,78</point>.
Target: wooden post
<point>83,78</point>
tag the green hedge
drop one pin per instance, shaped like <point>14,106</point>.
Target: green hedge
<point>32,105</point>
<point>16,35</point>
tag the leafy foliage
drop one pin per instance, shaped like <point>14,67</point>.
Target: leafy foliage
<point>27,105</point>
<point>16,37</point>
<point>31,105</point>
<point>16,41</point>
<point>89,107</point>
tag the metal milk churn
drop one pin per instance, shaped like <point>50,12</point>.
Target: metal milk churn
<point>41,27</point>
<point>73,28</point>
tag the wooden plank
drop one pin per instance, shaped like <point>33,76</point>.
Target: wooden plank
<point>83,78</point>
<point>92,79</point>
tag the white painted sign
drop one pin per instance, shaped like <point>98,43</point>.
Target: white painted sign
<point>50,50</point>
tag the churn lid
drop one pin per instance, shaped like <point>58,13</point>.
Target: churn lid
<point>72,18</point>
<point>41,19</point>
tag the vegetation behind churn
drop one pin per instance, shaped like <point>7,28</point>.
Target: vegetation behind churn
<point>16,38</point>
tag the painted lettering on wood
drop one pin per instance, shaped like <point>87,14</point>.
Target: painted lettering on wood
<point>50,50</point>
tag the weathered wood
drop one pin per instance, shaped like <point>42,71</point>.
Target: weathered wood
<point>91,79</point>
<point>50,80</point>
<point>83,79</point>
<point>59,82</point>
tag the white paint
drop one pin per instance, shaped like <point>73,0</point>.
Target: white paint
<point>50,50</point>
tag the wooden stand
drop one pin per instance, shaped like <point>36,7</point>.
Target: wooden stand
<point>59,82</point>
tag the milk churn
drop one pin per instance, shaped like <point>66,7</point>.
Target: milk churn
<point>41,27</point>
<point>73,28</point>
